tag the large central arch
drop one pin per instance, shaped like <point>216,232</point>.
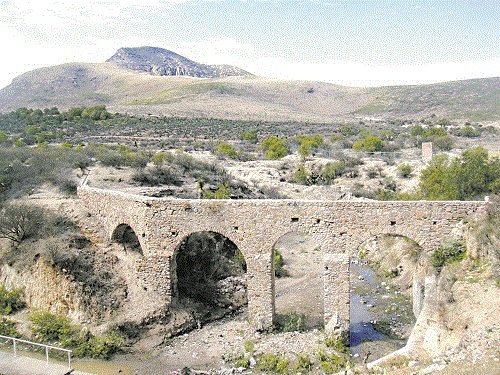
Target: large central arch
<point>208,269</point>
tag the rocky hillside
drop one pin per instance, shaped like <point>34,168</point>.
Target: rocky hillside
<point>162,62</point>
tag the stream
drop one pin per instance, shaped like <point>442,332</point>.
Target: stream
<point>364,338</point>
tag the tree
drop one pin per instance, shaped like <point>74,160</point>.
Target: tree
<point>20,221</point>
<point>308,143</point>
<point>471,175</point>
<point>274,148</point>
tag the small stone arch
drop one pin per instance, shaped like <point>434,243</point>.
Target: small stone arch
<point>125,235</point>
<point>301,277</point>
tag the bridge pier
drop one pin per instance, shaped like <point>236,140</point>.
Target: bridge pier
<point>336,293</point>
<point>260,292</point>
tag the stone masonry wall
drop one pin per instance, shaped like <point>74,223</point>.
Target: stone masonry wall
<point>256,225</point>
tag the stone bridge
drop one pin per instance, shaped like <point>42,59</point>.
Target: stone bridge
<point>339,227</point>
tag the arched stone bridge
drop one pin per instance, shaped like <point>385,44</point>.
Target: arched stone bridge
<point>339,227</point>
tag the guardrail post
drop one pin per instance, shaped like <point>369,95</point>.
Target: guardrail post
<point>47,354</point>
<point>15,351</point>
<point>69,360</point>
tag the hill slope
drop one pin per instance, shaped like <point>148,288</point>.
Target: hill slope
<point>244,97</point>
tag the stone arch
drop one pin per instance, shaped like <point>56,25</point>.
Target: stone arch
<point>125,235</point>
<point>299,288</point>
<point>400,259</point>
<point>208,267</point>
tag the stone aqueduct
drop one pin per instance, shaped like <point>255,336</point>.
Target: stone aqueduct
<point>340,227</point>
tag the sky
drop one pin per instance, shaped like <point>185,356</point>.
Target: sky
<point>349,42</point>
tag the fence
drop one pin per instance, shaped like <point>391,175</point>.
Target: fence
<point>47,348</point>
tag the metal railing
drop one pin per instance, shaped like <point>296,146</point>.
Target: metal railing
<point>47,348</point>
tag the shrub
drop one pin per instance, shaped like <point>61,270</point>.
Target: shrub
<point>448,253</point>
<point>292,322</point>
<point>100,347</point>
<point>49,327</point>
<point>369,143</point>
<point>223,191</point>
<point>443,143</point>
<point>20,221</point>
<point>249,346</point>
<point>10,300</point>
<point>332,170</point>
<point>302,363</point>
<point>8,328</point>
<point>52,328</point>
<point>468,131</point>
<point>308,143</point>
<point>301,176</point>
<point>279,264</point>
<point>226,150</point>
<point>466,177</point>
<point>159,175</point>
<point>160,157</point>
<point>405,170</point>
<point>274,148</point>
<point>336,343</point>
<point>273,362</point>
<point>331,363</point>
<point>249,136</point>
<point>3,137</point>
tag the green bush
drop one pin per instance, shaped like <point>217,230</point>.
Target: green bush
<point>369,143</point>
<point>302,363</point>
<point>443,143</point>
<point>468,131</point>
<point>405,170</point>
<point>224,149</point>
<point>10,300</point>
<point>466,177</point>
<point>52,328</point>
<point>292,322</point>
<point>301,176</point>
<point>279,264</point>
<point>48,327</point>
<point>274,148</point>
<point>337,343</point>
<point>8,328</point>
<point>100,347</point>
<point>309,143</point>
<point>223,191</point>
<point>448,253</point>
<point>332,170</point>
<point>249,136</point>
<point>331,363</point>
<point>249,346</point>
<point>273,362</point>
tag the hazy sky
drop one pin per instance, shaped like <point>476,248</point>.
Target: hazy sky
<point>353,42</point>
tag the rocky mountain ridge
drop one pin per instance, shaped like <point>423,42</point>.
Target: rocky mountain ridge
<point>162,62</point>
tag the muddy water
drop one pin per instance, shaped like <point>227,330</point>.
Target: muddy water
<point>365,340</point>
<point>102,367</point>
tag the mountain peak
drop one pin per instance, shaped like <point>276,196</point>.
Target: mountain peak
<point>162,62</point>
